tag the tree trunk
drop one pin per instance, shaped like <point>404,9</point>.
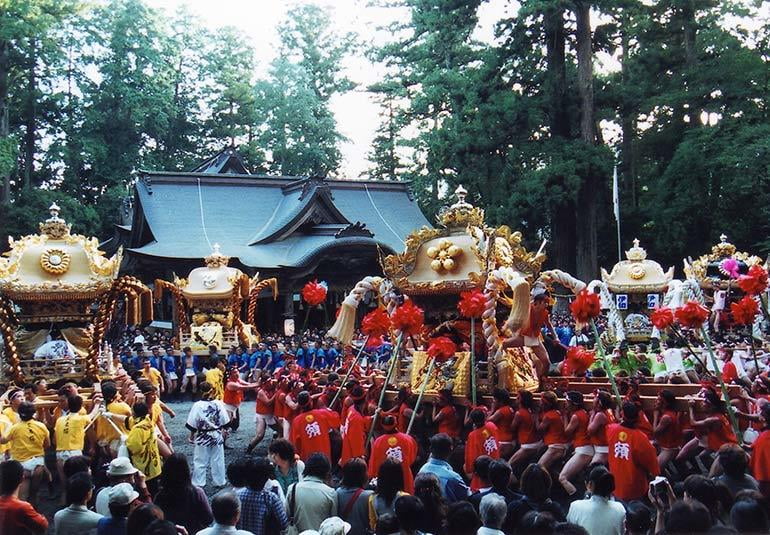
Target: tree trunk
<point>31,112</point>
<point>5,186</point>
<point>590,190</point>
<point>562,216</point>
<point>691,59</point>
<point>392,142</point>
<point>627,165</point>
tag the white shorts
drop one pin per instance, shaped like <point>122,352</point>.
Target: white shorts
<point>34,462</point>
<point>532,445</point>
<point>172,376</point>
<point>189,373</point>
<point>269,419</point>
<point>63,455</point>
<point>584,450</point>
<point>232,409</point>
<point>531,341</point>
<point>601,449</point>
<point>562,447</point>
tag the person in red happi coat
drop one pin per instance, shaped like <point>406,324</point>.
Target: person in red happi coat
<point>396,446</point>
<point>632,457</point>
<point>310,428</point>
<point>481,441</point>
<point>355,427</point>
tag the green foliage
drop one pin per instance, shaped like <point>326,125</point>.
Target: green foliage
<point>9,152</point>
<point>299,130</point>
<point>31,206</point>
<point>504,120</point>
<point>96,91</point>
<point>113,87</point>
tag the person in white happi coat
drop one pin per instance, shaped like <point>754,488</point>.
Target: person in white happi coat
<point>207,422</point>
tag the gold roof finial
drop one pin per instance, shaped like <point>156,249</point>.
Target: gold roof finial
<point>636,253</point>
<point>54,210</point>
<point>461,193</point>
<point>724,248</point>
<point>461,213</point>
<point>55,227</point>
<point>216,259</point>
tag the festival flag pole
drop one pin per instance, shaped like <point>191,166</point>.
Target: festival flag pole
<point>473,360</point>
<point>606,362</point>
<point>690,350</point>
<point>350,370</point>
<point>441,349</point>
<point>585,308</point>
<point>471,305</point>
<point>314,293</point>
<point>663,319</point>
<point>421,394</point>
<point>391,367</point>
<point>616,206</point>
<point>718,374</point>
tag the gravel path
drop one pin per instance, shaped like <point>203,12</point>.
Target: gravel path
<point>236,442</point>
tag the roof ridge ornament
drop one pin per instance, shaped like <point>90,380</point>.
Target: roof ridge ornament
<point>216,259</point>
<point>55,227</point>
<point>636,253</point>
<point>461,214</point>
<point>354,230</point>
<point>724,248</point>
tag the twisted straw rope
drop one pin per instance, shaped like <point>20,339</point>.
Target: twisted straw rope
<point>251,313</point>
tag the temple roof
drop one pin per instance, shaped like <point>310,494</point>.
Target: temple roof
<point>267,221</point>
<point>226,161</point>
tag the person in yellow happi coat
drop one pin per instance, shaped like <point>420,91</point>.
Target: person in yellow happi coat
<point>29,440</point>
<point>143,446</point>
<point>216,378</point>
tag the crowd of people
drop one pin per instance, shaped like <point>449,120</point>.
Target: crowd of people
<point>337,463</point>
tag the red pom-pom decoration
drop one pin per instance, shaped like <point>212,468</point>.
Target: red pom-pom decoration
<point>314,293</point>
<point>441,348</point>
<point>472,303</point>
<point>692,315</point>
<point>408,318</point>
<point>586,306</point>
<point>578,360</point>
<point>376,323</point>
<point>374,342</point>
<point>744,311</point>
<point>755,282</point>
<point>662,318</point>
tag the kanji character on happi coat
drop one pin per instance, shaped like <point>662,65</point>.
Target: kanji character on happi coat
<point>481,441</point>
<point>354,428</point>
<point>396,446</point>
<point>632,457</point>
<point>310,428</point>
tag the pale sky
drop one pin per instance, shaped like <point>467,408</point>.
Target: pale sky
<point>356,112</point>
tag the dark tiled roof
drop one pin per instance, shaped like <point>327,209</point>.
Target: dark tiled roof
<point>269,222</point>
<point>226,161</point>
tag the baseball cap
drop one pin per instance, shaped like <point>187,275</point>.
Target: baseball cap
<point>121,466</point>
<point>334,526</point>
<point>123,494</point>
